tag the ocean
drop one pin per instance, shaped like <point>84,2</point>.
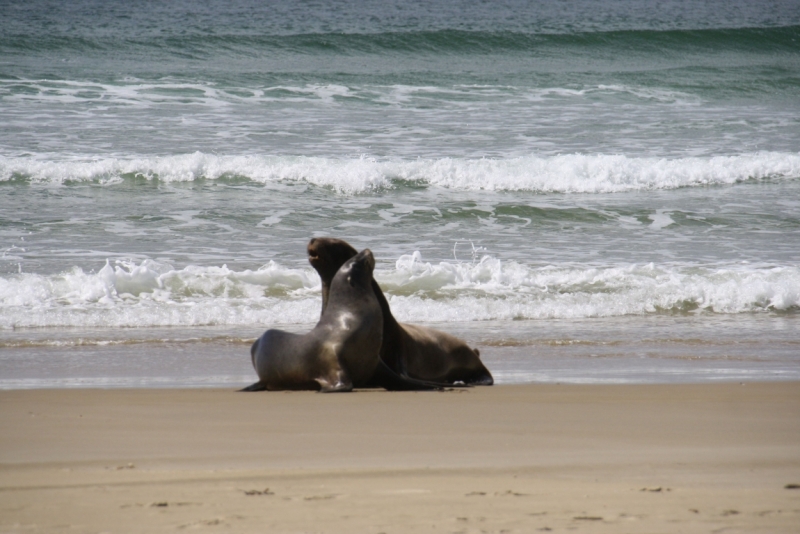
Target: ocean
<point>587,191</point>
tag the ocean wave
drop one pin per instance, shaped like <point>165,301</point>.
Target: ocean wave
<point>137,93</point>
<point>440,41</point>
<point>570,173</point>
<point>152,294</point>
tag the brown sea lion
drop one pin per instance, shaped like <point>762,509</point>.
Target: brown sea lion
<point>415,352</point>
<point>341,352</point>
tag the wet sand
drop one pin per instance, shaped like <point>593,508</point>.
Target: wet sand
<point>515,458</point>
<point>612,350</point>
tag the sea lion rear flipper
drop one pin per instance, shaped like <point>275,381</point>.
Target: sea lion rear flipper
<point>482,379</point>
<point>386,378</point>
<point>258,386</point>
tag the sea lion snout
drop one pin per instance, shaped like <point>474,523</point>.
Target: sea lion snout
<point>327,254</point>
<point>313,253</point>
<point>366,257</point>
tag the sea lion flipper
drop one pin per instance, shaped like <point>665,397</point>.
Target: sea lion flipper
<point>333,375</point>
<point>481,379</point>
<point>386,378</point>
<point>336,381</point>
<point>258,386</point>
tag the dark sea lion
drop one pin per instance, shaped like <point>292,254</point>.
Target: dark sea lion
<point>409,351</point>
<point>341,352</point>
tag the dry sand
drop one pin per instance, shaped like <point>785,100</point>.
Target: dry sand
<point>549,458</point>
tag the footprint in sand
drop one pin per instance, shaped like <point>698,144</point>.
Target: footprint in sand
<point>266,491</point>
<point>319,497</point>
<point>509,493</point>
<point>204,523</point>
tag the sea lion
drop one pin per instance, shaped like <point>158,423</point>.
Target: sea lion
<point>341,352</point>
<point>410,351</point>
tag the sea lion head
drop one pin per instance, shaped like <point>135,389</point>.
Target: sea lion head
<point>358,270</point>
<point>326,255</point>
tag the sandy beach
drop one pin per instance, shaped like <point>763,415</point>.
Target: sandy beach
<point>601,197</point>
<point>622,458</point>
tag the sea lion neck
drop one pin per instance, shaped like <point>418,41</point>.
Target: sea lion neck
<point>327,255</point>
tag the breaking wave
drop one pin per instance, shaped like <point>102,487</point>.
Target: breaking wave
<point>569,173</point>
<point>152,294</point>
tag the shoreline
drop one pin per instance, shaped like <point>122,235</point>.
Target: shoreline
<point>639,349</point>
<point>647,458</point>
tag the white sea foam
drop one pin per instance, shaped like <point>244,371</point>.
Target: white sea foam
<point>150,294</point>
<point>571,173</point>
<point>132,92</point>
<point>153,294</point>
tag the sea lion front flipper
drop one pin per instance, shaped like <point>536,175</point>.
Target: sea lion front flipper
<point>258,386</point>
<point>336,381</point>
